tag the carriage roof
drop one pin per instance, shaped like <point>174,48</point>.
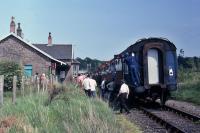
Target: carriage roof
<point>138,45</point>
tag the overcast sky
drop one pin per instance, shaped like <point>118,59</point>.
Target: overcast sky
<point>101,28</point>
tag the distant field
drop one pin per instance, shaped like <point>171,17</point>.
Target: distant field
<point>188,87</point>
<point>70,111</point>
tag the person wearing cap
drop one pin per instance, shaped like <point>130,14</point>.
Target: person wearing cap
<point>123,96</point>
<point>133,67</point>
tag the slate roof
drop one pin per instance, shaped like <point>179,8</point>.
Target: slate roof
<point>34,47</point>
<point>58,51</point>
<point>75,61</point>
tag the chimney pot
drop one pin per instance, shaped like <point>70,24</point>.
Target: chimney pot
<point>19,30</point>
<point>12,25</point>
<point>49,39</point>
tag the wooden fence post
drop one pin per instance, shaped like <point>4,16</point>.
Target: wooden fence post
<point>43,85</point>
<point>38,84</point>
<point>14,89</point>
<point>29,83</point>
<point>51,79</point>
<point>22,86</point>
<point>1,89</point>
<point>56,79</point>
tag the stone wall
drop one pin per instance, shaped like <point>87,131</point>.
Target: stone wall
<point>14,49</point>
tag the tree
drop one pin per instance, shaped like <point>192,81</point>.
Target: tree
<point>181,53</point>
<point>10,69</point>
<point>196,63</point>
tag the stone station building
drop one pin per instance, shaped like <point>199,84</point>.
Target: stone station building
<point>47,58</point>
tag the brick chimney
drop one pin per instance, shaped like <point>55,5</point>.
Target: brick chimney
<point>12,25</point>
<point>49,40</point>
<point>19,30</point>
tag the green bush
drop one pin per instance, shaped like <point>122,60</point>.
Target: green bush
<point>10,69</point>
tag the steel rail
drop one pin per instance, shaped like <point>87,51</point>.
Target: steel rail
<point>192,117</point>
<point>170,127</point>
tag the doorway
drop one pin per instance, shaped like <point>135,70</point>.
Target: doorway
<point>153,66</point>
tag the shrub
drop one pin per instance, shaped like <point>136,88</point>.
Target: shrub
<point>10,69</point>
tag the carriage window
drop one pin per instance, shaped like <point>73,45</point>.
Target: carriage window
<point>112,67</point>
<point>116,64</point>
<point>120,65</point>
<point>125,68</point>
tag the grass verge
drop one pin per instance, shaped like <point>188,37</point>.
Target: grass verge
<point>189,92</point>
<point>188,87</point>
<point>70,111</point>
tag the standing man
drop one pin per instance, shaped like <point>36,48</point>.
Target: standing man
<point>110,86</point>
<point>86,86</point>
<point>103,87</point>
<point>37,81</point>
<point>133,67</point>
<point>123,95</point>
<point>80,79</point>
<point>93,85</point>
<point>43,82</point>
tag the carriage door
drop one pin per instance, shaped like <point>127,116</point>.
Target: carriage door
<point>153,66</point>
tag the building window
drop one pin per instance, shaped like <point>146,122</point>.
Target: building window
<point>28,70</point>
<point>74,68</point>
<point>62,75</point>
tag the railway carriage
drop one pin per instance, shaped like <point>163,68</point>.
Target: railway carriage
<point>154,62</point>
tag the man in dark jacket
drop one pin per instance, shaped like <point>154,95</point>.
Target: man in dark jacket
<point>133,66</point>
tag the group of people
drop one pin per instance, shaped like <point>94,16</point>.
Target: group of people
<point>88,84</point>
<point>122,94</point>
<point>106,89</point>
<point>41,81</point>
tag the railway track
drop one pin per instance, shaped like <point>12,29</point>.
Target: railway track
<point>185,114</point>
<point>174,120</point>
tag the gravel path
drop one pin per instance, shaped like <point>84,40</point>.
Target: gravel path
<point>185,106</point>
<point>144,122</point>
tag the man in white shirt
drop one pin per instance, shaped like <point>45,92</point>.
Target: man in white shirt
<point>93,85</point>
<point>123,95</point>
<point>86,86</point>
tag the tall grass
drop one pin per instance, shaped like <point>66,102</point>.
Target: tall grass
<point>188,76</point>
<point>188,87</point>
<point>70,111</point>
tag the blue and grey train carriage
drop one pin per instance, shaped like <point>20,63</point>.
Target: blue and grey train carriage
<point>149,67</point>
